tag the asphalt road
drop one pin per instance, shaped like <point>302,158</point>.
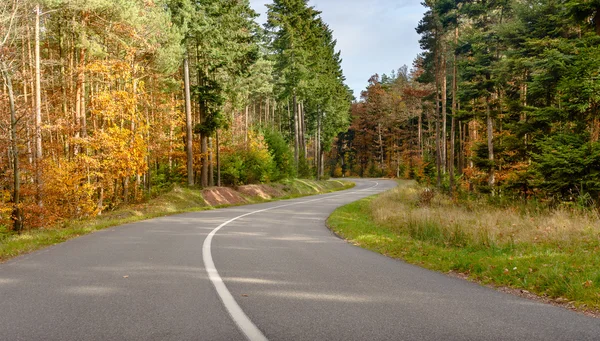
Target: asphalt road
<point>268,271</point>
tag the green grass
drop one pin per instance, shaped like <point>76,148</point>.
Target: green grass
<point>555,254</point>
<point>178,200</point>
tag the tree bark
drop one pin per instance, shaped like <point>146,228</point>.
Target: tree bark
<point>420,133</point>
<point>380,141</point>
<point>218,158</point>
<point>438,156</point>
<point>318,146</point>
<point>454,113</point>
<point>211,168</point>
<point>246,129</point>
<point>490,141</point>
<point>296,126</point>
<point>38,111</point>
<point>188,122</point>
<point>444,93</point>
<point>204,153</point>
<point>303,130</point>
<point>17,214</point>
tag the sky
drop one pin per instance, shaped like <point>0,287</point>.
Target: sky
<point>375,36</point>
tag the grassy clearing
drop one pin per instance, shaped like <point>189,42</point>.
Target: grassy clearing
<point>552,253</point>
<point>178,200</point>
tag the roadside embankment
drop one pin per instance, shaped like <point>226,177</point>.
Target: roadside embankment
<point>541,253</point>
<point>178,200</point>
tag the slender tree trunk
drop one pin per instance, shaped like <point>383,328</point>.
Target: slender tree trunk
<point>204,152</point>
<point>420,132</point>
<point>296,130</point>
<point>218,158</point>
<point>100,199</point>
<point>438,81</point>
<point>444,93</point>
<point>321,163</point>
<point>17,214</point>
<point>438,156</point>
<point>461,147</point>
<point>211,168</point>
<point>267,112</point>
<point>490,141</point>
<point>246,129</point>
<point>454,113</point>
<point>134,128</point>
<point>380,141</point>
<point>38,111</point>
<point>188,122</point>
<point>303,130</point>
<point>79,93</point>
<point>318,147</point>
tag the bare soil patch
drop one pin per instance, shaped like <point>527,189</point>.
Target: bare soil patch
<point>217,196</point>
<point>261,191</point>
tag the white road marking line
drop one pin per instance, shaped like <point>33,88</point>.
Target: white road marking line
<point>249,329</point>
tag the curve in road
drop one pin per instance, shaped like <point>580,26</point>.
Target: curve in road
<point>291,277</point>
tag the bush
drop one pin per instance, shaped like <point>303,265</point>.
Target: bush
<point>282,154</point>
<point>248,164</point>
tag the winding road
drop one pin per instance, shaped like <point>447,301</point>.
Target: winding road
<point>269,271</point>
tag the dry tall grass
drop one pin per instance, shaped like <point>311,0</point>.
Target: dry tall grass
<point>475,223</point>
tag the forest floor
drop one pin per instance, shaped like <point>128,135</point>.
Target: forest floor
<point>177,200</point>
<point>519,247</point>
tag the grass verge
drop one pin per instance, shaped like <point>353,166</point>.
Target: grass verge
<point>554,254</point>
<point>178,200</point>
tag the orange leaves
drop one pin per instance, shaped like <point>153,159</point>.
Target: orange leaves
<point>68,191</point>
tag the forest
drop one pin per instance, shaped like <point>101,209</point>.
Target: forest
<point>504,100</point>
<point>109,102</point>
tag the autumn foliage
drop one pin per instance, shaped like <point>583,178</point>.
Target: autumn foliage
<point>105,102</point>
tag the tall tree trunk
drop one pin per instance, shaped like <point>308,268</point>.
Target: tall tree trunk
<point>454,113</point>
<point>438,156</point>
<point>79,92</point>
<point>38,111</point>
<point>462,127</point>
<point>380,141</point>
<point>246,129</point>
<point>218,158</point>
<point>211,168</point>
<point>303,130</point>
<point>490,141</point>
<point>420,132</point>
<point>444,93</point>
<point>267,113</point>
<point>204,153</point>
<point>318,146</point>
<point>17,214</point>
<point>188,122</point>
<point>296,130</point>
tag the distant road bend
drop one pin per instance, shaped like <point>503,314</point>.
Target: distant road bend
<point>270,271</point>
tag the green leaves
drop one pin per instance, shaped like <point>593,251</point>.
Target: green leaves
<point>569,165</point>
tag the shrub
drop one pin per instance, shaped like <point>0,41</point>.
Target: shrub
<point>247,164</point>
<point>283,156</point>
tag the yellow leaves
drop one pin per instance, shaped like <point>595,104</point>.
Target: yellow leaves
<point>67,190</point>
<point>4,195</point>
<point>120,152</point>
